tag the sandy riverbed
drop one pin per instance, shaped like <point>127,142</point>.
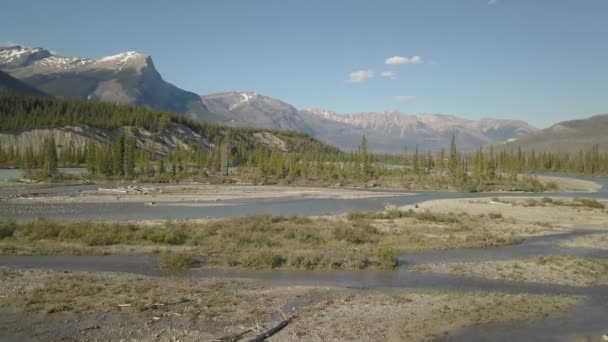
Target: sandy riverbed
<point>571,184</point>
<point>50,305</point>
<point>206,194</point>
<point>559,270</point>
<point>515,208</point>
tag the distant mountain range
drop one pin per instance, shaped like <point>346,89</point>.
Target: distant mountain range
<point>567,136</point>
<point>131,78</point>
<point>385,131</point>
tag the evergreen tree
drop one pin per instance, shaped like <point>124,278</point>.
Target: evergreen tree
<point>50,157</point>
<point>129,157</point>
<point>453,159</point>
<point>118,155</point>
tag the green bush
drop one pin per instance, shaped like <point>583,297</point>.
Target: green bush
<point>590,203</point>
<point>176,260</point>
<point>262,260</point>
<point>387,257</point>
<point>358,233</point>
<point>495,216</point>
<point>7,229</point>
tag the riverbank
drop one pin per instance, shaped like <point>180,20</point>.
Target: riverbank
<point>199,194</point>
<point>351,241</point>
<point>553,212</point>
<point>52,305</point>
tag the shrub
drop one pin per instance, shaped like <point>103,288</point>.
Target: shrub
<point>176,260</point>
<point>590,203</point>
<point>495,216</point>
<point>7,229</point>
<point>262,260</point>
<point>387,257</point>
<point>358,233</point>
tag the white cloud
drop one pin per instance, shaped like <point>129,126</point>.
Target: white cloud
<point>404,98</point>
<point>403,60</point>
<point>389,74</point>
<point>360,76</point>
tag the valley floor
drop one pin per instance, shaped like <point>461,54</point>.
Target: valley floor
<point>463,263</point>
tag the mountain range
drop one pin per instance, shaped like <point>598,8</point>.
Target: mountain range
<point>385,131</point>
<point>132,78</point>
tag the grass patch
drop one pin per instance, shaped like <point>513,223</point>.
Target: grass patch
<point>361,240</point>
<point>175,260</point>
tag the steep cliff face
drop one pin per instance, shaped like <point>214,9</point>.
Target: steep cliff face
<point>173,137</point>
<point>129,78</point>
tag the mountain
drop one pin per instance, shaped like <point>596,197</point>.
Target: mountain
<point>567,136</point>
<point>128,78</point>
<point>26,120</point>
<point>7,82</point>
<point>385,131</point>
<point>249,109</point>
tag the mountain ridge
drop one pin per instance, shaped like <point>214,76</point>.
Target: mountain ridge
<point>388,131</point>
<point>128,78</point>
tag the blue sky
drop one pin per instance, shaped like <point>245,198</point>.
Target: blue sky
<point>542,61</point>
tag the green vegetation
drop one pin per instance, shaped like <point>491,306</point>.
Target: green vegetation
<point>358,241</point>
<point>588,203</point>
<point>176,260</point>
<point>124,154</point>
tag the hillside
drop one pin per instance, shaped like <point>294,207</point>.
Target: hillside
<point>385,131</point>
<point>7,82</point>
<point>28,120</point>
<point>567,136</point>
<point>128,78</point>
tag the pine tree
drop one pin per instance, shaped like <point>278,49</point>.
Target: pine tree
<point>50,157</point>
<point>453,160</point>
<point>416,162</point>
<point>365,157</point>
<point>91,158</point>
<point>129,157</point>
<point>118,155</point>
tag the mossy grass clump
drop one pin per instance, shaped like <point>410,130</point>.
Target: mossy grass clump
<point>177,260</point>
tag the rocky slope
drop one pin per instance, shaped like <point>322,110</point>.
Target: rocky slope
<point>128,77</point>
<point>7,82</point>
<point>385,131</point>
<point>567,136</point>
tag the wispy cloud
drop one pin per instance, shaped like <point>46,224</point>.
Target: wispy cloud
<point>403,60</point>
<point>389,74</point>
<point>404,98</point>
<point>360,76</point>
<point>492,2</point>
<point>8,43</point>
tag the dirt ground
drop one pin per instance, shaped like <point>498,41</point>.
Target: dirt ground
<point>514,208</point>
<point>559,270</point>
<point>206,194</point>
<point>50,305</point>
<point>570,184</point>
<point>596,241</point>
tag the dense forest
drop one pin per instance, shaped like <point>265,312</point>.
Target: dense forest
<point>234,154</point>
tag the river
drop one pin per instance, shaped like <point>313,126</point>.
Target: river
<point>587,321</point>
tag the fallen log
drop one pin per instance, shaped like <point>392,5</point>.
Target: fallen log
<point>268,333</point>
<point>232,338</point>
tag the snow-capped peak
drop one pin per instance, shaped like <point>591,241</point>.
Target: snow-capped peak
<point>245,97</point>
<point>122,57</point>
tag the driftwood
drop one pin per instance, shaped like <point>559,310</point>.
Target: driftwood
<point>232,338</point>
<point>268,333</point>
